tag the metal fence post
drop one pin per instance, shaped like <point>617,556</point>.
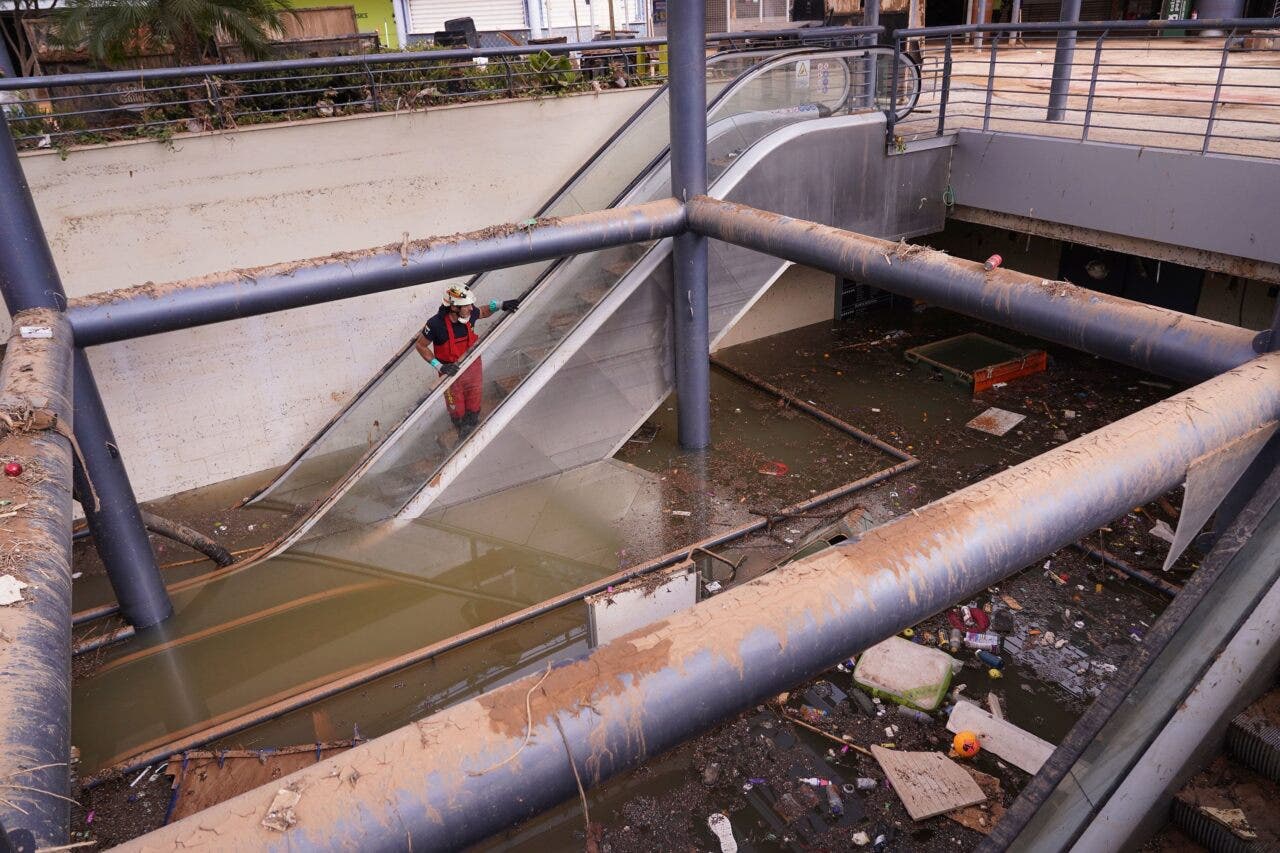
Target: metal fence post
<point>1217,91</point>
<point>991,84</point>
<point>1063,58</point>
<point>891,114</point>
<point>29,279</point>
<point>687,62</point>
<point>1093,86</point>
<point>946,88</point>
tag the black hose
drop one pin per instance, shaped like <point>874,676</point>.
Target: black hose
<point>187,536</point>
<point>1114,695</point>
<point>1109,559</point>
<point>178,533</point>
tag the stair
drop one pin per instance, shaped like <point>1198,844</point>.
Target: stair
<point>1231,805</point>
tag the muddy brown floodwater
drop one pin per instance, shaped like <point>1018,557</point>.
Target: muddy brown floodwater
<point>767,456</point>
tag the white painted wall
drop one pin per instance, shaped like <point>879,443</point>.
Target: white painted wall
<point>204,405</point>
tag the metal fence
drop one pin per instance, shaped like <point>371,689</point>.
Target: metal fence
<point>1207,86</point>
<point>59,111</point>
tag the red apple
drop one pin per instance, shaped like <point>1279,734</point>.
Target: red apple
<point>13,469</point>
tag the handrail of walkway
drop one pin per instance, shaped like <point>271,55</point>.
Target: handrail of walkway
<point>1204,86</point>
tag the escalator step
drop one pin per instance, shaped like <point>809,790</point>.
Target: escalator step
<point>1229,809</point>
<point>1254,736</point>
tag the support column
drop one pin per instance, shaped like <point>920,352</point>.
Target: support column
<point>1062,61</point>
<point>687,60</point>
<point>29,279</point>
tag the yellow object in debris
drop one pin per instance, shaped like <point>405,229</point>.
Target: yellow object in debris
<point>994,673</point>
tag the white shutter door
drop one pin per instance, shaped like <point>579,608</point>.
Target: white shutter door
<point>560,14</point>
<point>427,16</point>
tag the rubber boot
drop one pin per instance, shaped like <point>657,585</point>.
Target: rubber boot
<point>470,421</point>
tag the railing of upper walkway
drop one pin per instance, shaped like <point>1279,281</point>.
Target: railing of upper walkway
<point>1206,86</point>
<point>57,111</point>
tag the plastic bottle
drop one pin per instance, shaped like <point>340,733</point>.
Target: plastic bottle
<point>918,716</point>
<point>834,802</point>
<point>956,640</point>
<point>866,784</point>
<point>992,661</point>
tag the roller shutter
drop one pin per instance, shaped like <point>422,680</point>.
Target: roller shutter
<point>427,16</point>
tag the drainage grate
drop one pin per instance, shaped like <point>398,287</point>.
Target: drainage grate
<point>1204,830</point>
<point>1254,742</point>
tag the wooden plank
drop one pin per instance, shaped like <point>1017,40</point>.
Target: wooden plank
<point>1020,748</point>
<point>928,783</point>
<point>984,816</point>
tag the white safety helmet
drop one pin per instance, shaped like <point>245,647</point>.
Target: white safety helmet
<point>460,295</point>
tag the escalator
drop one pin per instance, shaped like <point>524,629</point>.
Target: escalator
<point>362,579</point>
<point>374,459</point>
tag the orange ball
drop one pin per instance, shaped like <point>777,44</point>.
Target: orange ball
<point>965,745</point>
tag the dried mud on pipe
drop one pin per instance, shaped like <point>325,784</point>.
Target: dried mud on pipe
<point>409,251</point>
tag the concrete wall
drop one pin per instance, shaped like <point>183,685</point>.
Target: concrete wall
<point>1216,203</point>
<point>205,405</point>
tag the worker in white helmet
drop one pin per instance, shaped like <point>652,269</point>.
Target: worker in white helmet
<point>444,341</point>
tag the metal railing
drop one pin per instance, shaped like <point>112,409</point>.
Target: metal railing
<point>58,111</point>
<point>1206,86</point>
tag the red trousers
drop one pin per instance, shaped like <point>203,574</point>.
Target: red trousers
<point>463,396</point>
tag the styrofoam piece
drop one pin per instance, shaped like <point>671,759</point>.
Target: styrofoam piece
<point>905,672</point>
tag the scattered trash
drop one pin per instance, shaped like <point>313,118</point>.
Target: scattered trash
<point>1000,737</point>
<point>992,262</point>
<point>712,587</point>
<point>982,642</point>
<point>865,783</point>
<point>928,783</point>
<point>907,673</point>
<point>144,772</point>
<point>10,590</point>
<point>969,618</point>
<point>965,745</point>
<point>1233,819</point>
<point>1069,414</point>
<point>683,513</point>
<point>990,660</point>
<point>912,713</point>
<point>993,705</point>
<point>774,469</point>
<point>996,421</point>
<point>280,815</point>
<point>983,816</point>
<point>1161,530</point>
<point>861,839</point>
<point>834,803</point>
<point>711,774</point>
<point>13,469</point>
<point>1011,602</point>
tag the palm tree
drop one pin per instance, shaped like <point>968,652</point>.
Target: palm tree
<point>114,30</point>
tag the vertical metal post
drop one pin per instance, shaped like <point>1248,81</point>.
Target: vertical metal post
<point>29,279</point>
<point>1217,92</point>
<point>1063,55</point>
<point>946,88</point>
<point>991,84</point>
<point>1062,62</point>
<point>687,61</point>
<point>891,114</point>
<point>1093,86</point>
<point>982,19</point>
<point>871,13</point>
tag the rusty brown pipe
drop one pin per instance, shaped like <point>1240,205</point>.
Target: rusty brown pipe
<point>476,768</point>
<point>1180,346</point>
<point>35,655</point>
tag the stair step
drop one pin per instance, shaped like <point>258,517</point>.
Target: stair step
<point>1229,809</point>
<point>1254,736</point>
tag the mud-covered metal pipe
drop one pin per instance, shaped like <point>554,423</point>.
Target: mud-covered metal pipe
<point>1180,346</point>
<point>150,309</point>
<point>35,654</point>
<point>29,279</point>
<point>473,769</point>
